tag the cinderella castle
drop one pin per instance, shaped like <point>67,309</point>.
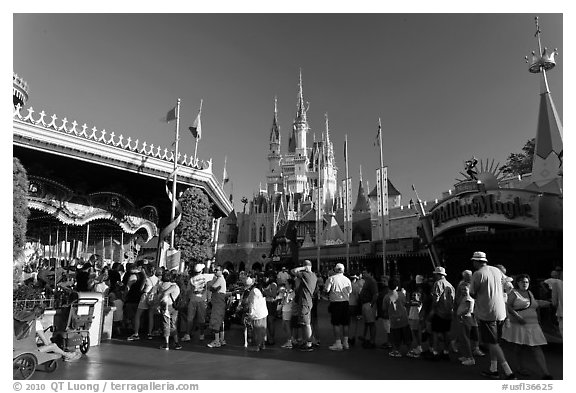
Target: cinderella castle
<point>297,183</point>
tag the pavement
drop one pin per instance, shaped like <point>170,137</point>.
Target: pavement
<point>119,359</point>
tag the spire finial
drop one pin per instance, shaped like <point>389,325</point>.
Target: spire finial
<point>275,105</point>
<point>541,61</point>
<point>360,173</point>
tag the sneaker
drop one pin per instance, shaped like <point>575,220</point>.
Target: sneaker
<point>185,338</point>
<point>134,337</point>
<point>490,374</point>
<point>149,337</point>
<point>462,358</point>
<point>306,348</point>
<point>165,346</point>
<point>73,357</point>
<point>478,352</point>
<point>510,376</point>
<point>345,346</point>
<point>469,362</point>
<point>287,345</point>
<point>214,344</point>
<point>177,346</point>
<point>336,347</point>
<point>395,354</point>
<point>413,354</point>
<point>222,342</point>
<point>201,337</point>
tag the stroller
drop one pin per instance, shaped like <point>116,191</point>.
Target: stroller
<point>26,355</point>
<point>76,333</point>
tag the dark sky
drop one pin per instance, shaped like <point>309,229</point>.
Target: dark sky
<point>447,86</point>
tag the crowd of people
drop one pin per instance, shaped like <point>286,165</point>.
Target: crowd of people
<point>425,317</point>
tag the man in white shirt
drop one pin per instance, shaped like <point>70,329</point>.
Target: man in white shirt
<point>338,287</point>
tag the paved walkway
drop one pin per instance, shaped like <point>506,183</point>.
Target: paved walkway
<point>118,359</point>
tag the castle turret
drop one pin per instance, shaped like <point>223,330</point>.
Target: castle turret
<point>300,128</point>
<point>274,177</point>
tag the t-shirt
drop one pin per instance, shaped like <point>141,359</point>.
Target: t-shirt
<point>287,297</point>
<point>219,282</point>
<point>369,290</point>
<point>443,294</point>
<point>395,303</point>
<point>486,288</point>
<point>355,295</point>
<point>257,305</point>
<point>338,287</point>
<point>306,288</point>
<point>198,283</point>
<point>557,294</point>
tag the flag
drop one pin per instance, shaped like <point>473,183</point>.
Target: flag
<point>196,128</point>
<point>379,134</point>
<point>171,115</point>
<point>346,149</point>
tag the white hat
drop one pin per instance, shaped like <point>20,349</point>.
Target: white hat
<point>440,270</point>
<point>198,268</point>
<point>339,267</point>
<point>479,256</point>
<point>249,281</point>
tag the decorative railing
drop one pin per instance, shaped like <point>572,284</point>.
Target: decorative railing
<point>111,139</point>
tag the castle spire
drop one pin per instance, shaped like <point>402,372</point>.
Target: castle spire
<point>547,164</point>
<point>301,111</point>
<point>275,131</point>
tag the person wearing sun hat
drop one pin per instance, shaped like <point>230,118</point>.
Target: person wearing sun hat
<point>338,287</point>
<point>490,310</point>
<point>443,294</point>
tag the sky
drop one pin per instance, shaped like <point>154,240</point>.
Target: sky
<point>446,86</point>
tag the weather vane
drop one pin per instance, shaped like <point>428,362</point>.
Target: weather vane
<point>543,60</point>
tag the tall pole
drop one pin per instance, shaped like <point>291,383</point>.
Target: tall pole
<point>175,181</point>
<point>382,197</point>
<point>347,206</point>
<point>319,213</point>
<point>87,234</point>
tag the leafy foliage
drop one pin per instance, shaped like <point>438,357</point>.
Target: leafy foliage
<point>20,205</point>
<point>520,163</point>
<point>193,235</point>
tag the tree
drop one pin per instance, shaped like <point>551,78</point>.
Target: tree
<point>520,163</point>
<point>20,205</point>
<point>193,235</point>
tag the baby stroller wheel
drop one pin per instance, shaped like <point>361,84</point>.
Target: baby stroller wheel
<point>24,366</point>
<point>85,345</point>
<point>51,366</point>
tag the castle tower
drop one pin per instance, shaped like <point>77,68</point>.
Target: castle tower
<point>329,170</point>
<point>274,177</point>
<point>547,164</point>
<point>297,182</point>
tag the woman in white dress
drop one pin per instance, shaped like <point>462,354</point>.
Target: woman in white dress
<point>524,329</point>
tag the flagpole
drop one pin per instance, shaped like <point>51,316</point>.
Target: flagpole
<point>224,172</point>
<point>382,222</point>
<point>174,182</point>
<point>347,222</point>
<point>196,144</point>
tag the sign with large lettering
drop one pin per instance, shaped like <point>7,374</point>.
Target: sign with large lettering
<point>502,206</point>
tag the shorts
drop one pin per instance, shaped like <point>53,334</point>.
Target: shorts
<point>490,331</point>
<point>169,321</point>
<point>368,313</point>
<point>196,312</point>
<point>415,324</point>
<point>440,325</point>
<point>339,313</point>
<point>401,335</point>
<point>354,310</point>
<point>143,303</point>
<point>304,317</point>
